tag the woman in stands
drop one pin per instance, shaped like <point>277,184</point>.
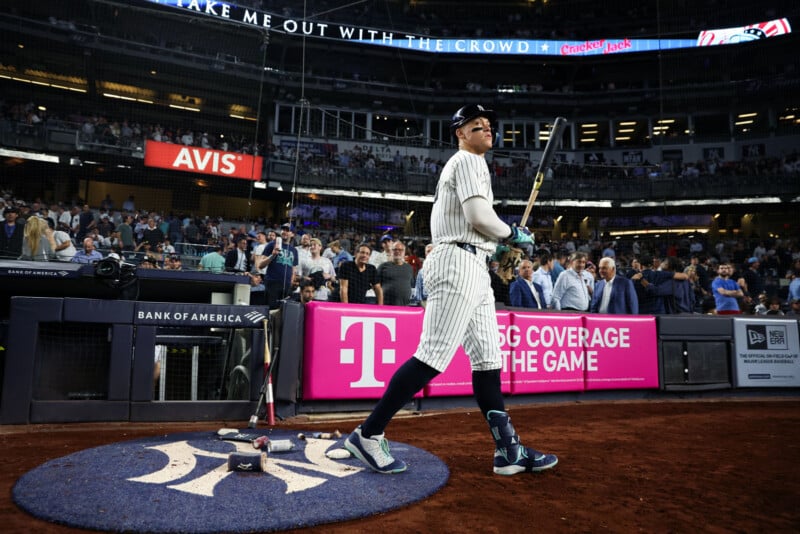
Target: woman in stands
<point>35,245</point>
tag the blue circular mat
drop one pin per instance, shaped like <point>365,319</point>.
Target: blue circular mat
<point>181,483</point>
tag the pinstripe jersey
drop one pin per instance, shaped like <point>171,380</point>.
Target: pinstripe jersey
<point>460,307</point>
<point>465,175</point>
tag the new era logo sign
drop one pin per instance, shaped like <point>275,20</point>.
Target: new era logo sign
<point>755,338</point>
<point>766,337</point>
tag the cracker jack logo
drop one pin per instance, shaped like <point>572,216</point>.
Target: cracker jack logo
<point>766,337</point>
<point>182,473</point>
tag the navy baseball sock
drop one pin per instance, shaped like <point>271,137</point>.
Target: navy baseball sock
<point>406,381</point>
<point>486,387</point>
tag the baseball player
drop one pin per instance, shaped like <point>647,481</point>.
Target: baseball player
<point>460,308</point>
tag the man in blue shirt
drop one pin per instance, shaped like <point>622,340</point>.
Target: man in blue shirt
<point>87,254</point>
<point>726,291</point>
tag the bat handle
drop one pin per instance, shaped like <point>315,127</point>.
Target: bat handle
<point>529,207</point>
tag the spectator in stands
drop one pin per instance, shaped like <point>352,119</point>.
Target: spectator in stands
<point>107,203</point>
<point>238,260</point>
<point>60,242</point>
<point>139,228</point>
<point>258,292</point>
<point>699,294</point>
<point>86,222</point>
<point>167,247</point>
<point>153,234</point>
<point>129,205</point>
<point>148,262</point>
<point>356,277</point>
<point>257,255</point>
<point>762,306</point>
<point>396,277</point>
<point>104,225</point>
<point>318,269</point>
<point>420,294</point>
<point>774,307</point>
<point>126,233</point>
<point>751,282</point>
<point>339,254</point>
<point>677,292</point>
<point>281,263</point>
<point>174,229</point>
<point>306,293</point>
<point>794,308</point>
<point>385,254</point>
<point>613,293</point>
<point>304,249</point>
<point>570,292</point>
<point>64,220</point>
<point>649,285</point>
<point>35,245</point>
<point>559,264</point>
<point>88,254</point>
<point>172,262</point>
<point>542,277</point>
<point>12,235</point>
<point>524,292</point>
<point>726,291</point>
<point>794,286</point>
<point>214,261</point>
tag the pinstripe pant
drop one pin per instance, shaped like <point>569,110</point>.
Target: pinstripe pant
<point>460,310</point>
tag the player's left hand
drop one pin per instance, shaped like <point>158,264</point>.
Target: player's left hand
<point>520,235</point>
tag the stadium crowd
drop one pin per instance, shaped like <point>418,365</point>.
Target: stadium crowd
<point>669,275</point>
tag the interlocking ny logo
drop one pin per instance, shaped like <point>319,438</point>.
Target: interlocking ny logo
<point>182,462</point>
<point>369,328</point>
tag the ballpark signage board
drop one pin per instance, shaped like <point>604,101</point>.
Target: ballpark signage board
<point>232,13</point>
<point>767,352</point>
<point>546,353</point>
<point>457,378</point>
<point>171,314</point>
<point>352,350</point>
<point>194,159</point>
<point>627,352</point>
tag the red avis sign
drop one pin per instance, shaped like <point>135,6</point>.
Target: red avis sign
<point>202,160</point>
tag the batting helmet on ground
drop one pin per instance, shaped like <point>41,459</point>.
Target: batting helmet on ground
<point>467,113</point>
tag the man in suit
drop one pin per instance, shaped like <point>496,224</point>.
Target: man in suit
<point>524,292</point>
<point>238,260</point>
<point>613,293</point>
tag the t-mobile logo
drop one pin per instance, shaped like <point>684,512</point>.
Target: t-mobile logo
<point>369,330</point>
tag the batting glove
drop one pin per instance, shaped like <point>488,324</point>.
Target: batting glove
<point>520,235</point>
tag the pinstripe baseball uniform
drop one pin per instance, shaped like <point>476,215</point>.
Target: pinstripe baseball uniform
<point>460,308</point>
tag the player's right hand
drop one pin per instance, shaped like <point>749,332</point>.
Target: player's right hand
<point>520,235</point>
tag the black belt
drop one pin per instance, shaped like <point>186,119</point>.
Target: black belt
<point>472,249</point>
<point>468,247</point>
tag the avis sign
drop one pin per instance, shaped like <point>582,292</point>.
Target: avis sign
<point>202,160</point>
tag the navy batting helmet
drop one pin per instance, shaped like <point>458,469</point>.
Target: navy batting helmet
<point>467,113</point>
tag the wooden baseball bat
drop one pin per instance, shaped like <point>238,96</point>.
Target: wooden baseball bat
<point>269,400</point>
<point>547,156</point>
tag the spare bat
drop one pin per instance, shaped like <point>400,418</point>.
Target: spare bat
<point>547,156</point>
